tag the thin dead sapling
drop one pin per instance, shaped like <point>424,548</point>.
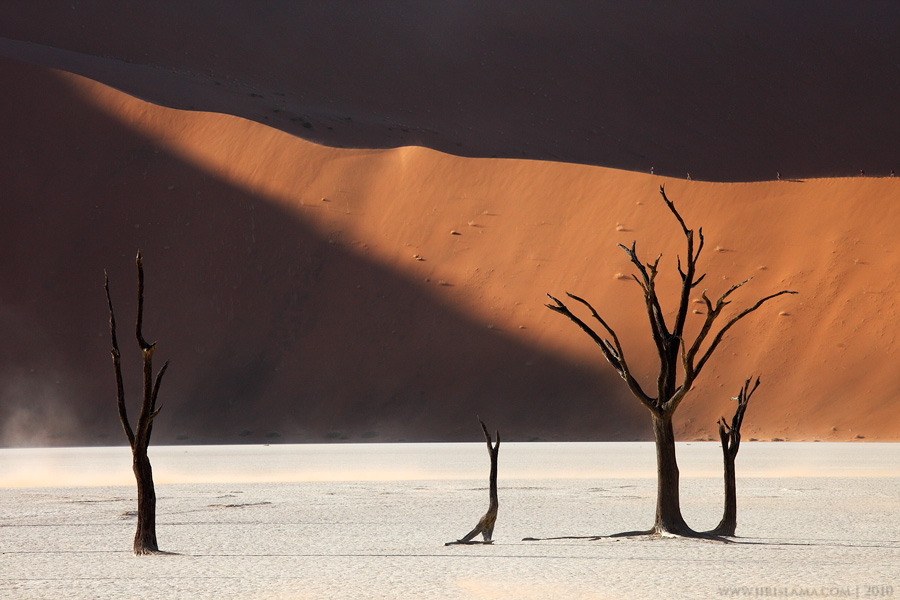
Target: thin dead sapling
<point>139,439</point>
<point>731,441</point>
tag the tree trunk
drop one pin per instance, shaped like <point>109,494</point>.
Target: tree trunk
<point>731,443</point>
<point>728,524</point>
<point>139,439</point>
<point>486,524</point>
<point>493,451</point>
<point>145,536</point>
<point>668,505</point>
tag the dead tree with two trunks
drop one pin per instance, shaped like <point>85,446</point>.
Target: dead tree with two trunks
<point>485,525</point>
<point>731,442</point>
<point>680,360</point>
<point>139,439</point>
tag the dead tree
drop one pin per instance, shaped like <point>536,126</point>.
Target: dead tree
<point>139,440</point>
<point>677,356</point>
<point>486,524</point>
<point>731,441</point>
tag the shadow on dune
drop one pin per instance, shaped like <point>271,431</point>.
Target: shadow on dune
<point>725,91</point>
<point>276,332</point>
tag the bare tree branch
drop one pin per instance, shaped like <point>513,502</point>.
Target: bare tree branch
<point>153,407</point>
<point>117,365</point>
<point>614,356</point>
<point>671,205</point>
<point>156,385</point>
<point>658,329</point>
<point>712,313</point>
<point>718,337</point>
<point>687,275</point>
<point>619,353</point>
<point>733,431</point>
<point>140,306</point>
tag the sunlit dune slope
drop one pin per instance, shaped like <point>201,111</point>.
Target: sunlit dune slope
<point>304,293</point>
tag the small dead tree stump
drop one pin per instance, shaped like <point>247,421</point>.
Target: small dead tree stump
<point>139,440</point>
<point>731,441</point>
<point>485,525</point>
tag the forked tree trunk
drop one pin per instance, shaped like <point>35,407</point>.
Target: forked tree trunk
<point>730,435</point>
<point>668,504</point>
<point>485,525</point>
<point>139,439</point>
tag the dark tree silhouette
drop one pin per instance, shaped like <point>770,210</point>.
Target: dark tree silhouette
<point>485,525</point>
<point>731,441</point>
<point>139,440</point>
<point>676,356</point>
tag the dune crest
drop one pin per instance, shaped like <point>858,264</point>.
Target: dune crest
<point>728,92</point>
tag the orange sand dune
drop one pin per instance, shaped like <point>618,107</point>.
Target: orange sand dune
<point>305,293</point>
<point>729,91</point>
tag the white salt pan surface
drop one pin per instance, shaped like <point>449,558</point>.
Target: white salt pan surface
<point>370,521</point>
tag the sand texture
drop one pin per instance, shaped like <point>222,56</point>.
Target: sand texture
<point>305,292</point>
<point>348,538</point>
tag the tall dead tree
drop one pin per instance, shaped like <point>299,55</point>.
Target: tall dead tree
<point>731,441</point>
<point>676,356</point>
<point>485,525</point>
<point>139,440</point>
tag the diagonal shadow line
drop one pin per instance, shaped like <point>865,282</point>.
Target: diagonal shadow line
<point>259,313</point>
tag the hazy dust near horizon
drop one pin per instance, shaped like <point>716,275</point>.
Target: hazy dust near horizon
<point>293,463</point>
